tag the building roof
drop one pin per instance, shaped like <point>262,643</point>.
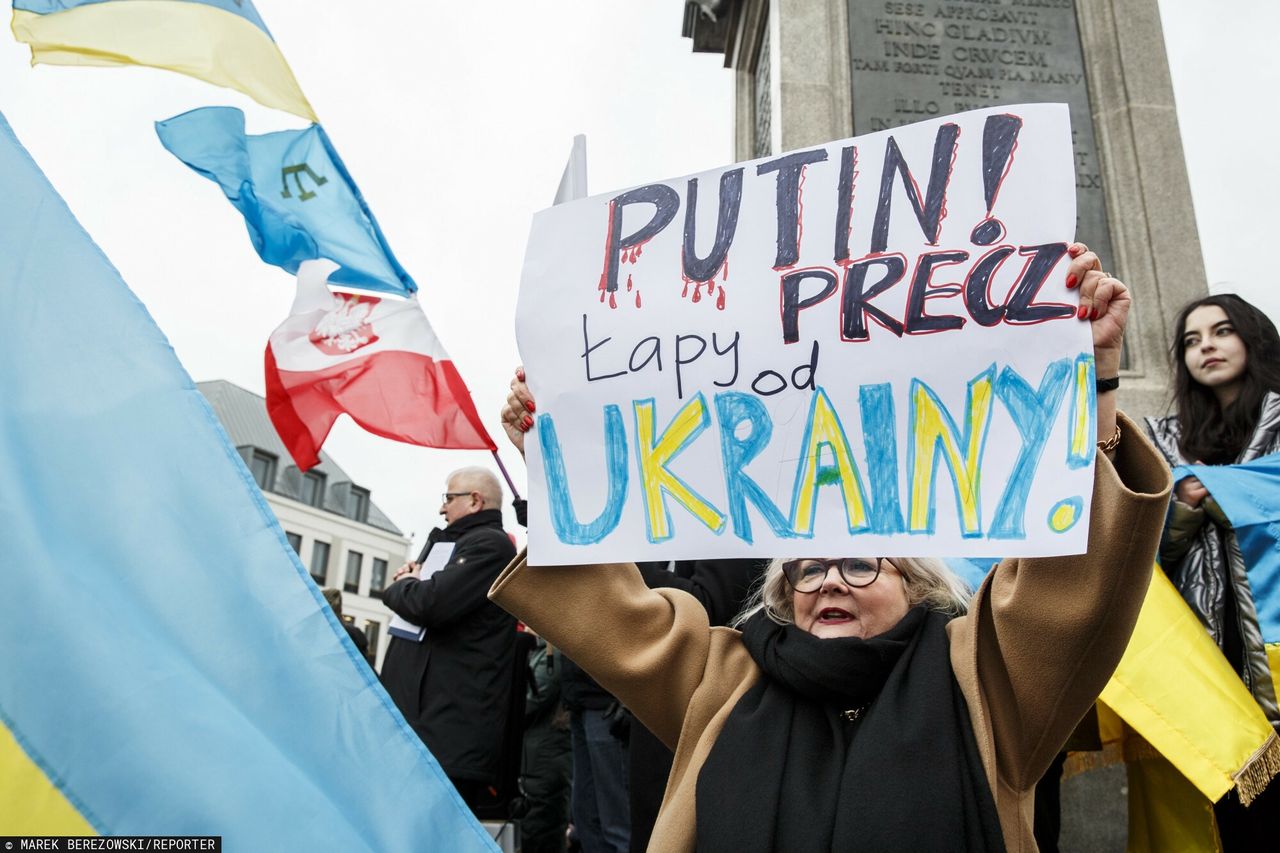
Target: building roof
<point>244,417</point>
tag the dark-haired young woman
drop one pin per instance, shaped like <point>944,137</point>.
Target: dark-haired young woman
<point>1226,360</point>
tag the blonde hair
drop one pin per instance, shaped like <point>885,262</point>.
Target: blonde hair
<point>927,581</point>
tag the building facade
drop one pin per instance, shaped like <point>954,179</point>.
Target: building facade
<point>338,532</point>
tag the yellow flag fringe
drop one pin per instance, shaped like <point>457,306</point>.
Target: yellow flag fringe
<point>1259,770</point>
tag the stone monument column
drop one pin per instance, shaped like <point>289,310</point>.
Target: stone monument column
<point>810,71</point>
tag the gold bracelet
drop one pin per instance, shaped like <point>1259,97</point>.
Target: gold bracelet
<point>1111,443</point>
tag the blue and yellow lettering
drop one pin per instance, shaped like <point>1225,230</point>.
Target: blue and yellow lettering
<point>880,435</point>
<point>563,518</point>
<point>934,432</point>
<point>655,452</point>
<point>824,431</point>
<point>734,408</point>
<point>1084,414</point>
<point>1033,412</point>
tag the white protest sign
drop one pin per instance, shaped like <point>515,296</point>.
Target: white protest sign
<point>861,348</point>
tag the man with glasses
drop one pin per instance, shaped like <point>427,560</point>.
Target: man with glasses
<point>453,684</point>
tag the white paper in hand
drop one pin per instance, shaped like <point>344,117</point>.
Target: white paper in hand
<point>437,558</point>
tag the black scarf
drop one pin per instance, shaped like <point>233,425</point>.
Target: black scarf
<point>790,772</point>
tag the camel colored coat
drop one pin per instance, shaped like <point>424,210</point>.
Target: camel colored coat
<point>1040,641</point>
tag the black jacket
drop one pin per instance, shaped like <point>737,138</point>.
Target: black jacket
<point>723,587</point>
<point>580,691</point>
<point>357,636</point>
<point>454,686</point>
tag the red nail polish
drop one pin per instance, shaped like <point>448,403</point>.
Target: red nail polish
<point>1082,312</point>
<point>1096,313</point>
<point>520,373</point>
<point>1073,251</point>
<point>1071,280</point>
<point>528,422</point>
<point>528,404</point>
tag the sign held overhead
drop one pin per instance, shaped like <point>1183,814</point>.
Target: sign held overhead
<point>866,347</point>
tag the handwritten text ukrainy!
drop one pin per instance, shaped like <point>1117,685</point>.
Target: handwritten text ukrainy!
<point>871,503</point>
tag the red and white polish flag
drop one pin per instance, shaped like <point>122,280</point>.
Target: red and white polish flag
<point>375,358</point>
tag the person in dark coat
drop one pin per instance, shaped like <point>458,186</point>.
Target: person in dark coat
<point>601,814</point>
<point>722,586</point>
<point>334,597</point>
<point>548,756</point>
<point>453,687</point>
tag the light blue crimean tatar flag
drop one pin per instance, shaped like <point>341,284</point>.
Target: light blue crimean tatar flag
<point>296,196</point>
<point>166,665</point>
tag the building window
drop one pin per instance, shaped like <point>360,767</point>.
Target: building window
<point>320,562</point>
<point>295,541</point>
<point>312,489</point>
<point>263,467</point>
<point>358,504</point>
<point>352,581</point>
<point>378,578</point>
<point>762,82</point>
<point>372,630</point>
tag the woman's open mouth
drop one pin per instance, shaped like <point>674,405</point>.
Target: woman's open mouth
<point>834,615</point>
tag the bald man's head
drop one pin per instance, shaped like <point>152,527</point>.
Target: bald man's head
<point>468,491</point>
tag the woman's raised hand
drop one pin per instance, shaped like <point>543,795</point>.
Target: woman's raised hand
<point>517,414</point>
<point>1104,301</point>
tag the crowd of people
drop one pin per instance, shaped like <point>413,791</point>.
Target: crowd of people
<point>866,702</point>
<point>581,770</point>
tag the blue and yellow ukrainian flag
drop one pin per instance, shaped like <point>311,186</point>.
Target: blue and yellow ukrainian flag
<point>223,42</point>
<point>1200,732</point>
<point>1249,494</point>
<point>1174,710</point>
<point>167,667</point>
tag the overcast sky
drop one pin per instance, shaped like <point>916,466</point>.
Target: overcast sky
<point>455,120</point>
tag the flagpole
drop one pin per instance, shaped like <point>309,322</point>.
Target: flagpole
<point>506,476</point>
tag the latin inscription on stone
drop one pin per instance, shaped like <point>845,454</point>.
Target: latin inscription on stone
<point>918,60</point>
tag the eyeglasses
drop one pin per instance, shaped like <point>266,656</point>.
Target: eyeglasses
<point>448,496</point>
<point>808,575</point>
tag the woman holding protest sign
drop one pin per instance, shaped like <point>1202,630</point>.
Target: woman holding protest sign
<point>867,703</point>
<point>1226,361</point>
